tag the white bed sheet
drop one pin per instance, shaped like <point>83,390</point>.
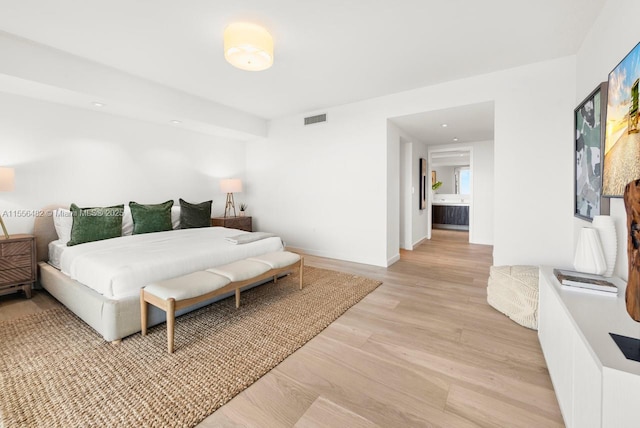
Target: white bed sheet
<point>55,252</point>
<point>120,267</point>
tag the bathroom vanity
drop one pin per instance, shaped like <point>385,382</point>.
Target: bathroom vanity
<point>450,212</point>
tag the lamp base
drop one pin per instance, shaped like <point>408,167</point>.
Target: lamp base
<point>230,204</point>
<point>4,228</point>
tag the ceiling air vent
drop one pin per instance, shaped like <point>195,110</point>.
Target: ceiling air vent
<point>315,119</point>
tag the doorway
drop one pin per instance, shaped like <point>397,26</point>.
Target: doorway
<point>451,201</point>
<point>467,128</point>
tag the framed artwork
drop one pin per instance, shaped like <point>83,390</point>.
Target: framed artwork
<point>589,119</point>
<point>622,139</point>
<point>423,183</point>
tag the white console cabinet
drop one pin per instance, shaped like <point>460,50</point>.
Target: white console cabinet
<point>595,384</point>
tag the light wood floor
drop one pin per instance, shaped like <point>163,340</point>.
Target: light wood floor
<point>424,349</point>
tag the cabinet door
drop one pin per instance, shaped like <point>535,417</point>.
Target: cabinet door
<point>620,399</point>
<point>587,388</point>
<point>438,214</point>
<point>557,336</point>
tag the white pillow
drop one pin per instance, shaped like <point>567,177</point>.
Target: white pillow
<point>127,222</point>
<point>175,217</point>
<point>63,222</point>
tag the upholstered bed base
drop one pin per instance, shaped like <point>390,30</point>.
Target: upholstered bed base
<point>113,319</point>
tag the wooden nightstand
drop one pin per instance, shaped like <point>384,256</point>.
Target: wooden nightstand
<point>242,223</point>
<point>17,264</point>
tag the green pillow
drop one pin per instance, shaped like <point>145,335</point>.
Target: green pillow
<point>151,218</point>
<point>195,215</point>
<point>95,224</point>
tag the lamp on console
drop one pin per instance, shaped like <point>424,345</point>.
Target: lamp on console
<point>230,186</point>
<point>7,178</point>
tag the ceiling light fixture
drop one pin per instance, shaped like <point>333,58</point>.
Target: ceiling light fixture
<point>176,122</point>
<point>97,104</point>
<point>444,125</point>
<point>248,46</point>
<point>455,139</point>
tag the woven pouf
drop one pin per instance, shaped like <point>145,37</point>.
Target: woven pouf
<point>513,290</point>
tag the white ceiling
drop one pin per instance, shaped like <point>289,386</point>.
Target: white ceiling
<point>464,124</point>
<point>326,53</point>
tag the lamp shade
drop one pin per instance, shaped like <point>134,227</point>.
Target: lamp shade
<point>7,179</point>
<point>248,46</point>
<point>231,185</point>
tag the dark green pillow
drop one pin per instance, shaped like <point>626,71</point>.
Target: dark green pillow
<point>95,224</point>
<point>151,218</point>
<point>195,215</point>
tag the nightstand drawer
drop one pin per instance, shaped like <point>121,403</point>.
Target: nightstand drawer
<point>242,223</point>
<point>13,276</point>
<point>237,223</point>
<point>15,248</point>
<point>13,262</point>
<point>17,264</point>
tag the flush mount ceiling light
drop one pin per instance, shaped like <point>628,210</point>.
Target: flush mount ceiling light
<point>248,46</point>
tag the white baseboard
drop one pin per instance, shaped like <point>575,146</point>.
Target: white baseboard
<point>392,260</point>
<point>334,256</point>
<point>420,241</point>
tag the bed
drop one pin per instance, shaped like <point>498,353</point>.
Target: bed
<point>100,281</point>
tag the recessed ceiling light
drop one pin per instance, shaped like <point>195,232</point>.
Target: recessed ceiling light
<point>97,104</point>
<point>176,122</point>
<point>455,139</point>
<point>444,125</point>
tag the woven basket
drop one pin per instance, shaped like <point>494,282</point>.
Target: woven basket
<point>513,290</point>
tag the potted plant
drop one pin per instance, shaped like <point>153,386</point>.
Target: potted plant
<point>243,208</point>
<point>436,185</point>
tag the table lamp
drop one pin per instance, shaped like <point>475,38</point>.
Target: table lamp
<point>230,186</point>
<point>7,178</point>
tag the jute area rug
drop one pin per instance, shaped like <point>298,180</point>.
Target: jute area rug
<point>57,371</point>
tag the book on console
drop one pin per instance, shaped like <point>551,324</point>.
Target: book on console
<point>581,280</point>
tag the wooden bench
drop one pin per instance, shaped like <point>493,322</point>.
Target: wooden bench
<point>176,293</point>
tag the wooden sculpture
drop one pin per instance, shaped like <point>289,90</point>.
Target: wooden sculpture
<point>632,206</point>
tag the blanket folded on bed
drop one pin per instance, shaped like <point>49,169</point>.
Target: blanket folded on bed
<point>245,238</point>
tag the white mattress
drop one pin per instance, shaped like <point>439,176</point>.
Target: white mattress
<point>119,267</point>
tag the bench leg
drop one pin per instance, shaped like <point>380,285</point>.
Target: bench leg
<point>171,322</point>
<point>301,271</point>
<point>143,313</point>
<point>237,298</point>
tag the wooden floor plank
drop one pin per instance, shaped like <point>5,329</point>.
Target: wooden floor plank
<point>488,411</point>
<point>323,413</point>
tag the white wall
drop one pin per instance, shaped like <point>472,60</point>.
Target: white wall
<point>419,218</point>
<point>609,40</point>
<point>412,220</point>
<point>483,192</point>
<point>336,184</point>
<point>320,189</point>
<point>64,154</point>
<point>406,172</point>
